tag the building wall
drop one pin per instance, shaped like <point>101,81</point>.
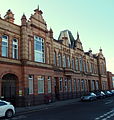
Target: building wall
<point>66,82</point>
<point>110,80</point>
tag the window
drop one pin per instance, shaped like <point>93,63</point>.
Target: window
<point>5,46</point>
<point>83,85</point>
<point>104,85</point>
<point>70,85</point>
<point>55,58</point>
<point>2,103</point>
<point>49,84</point>
<point>87,66</point>
<point>74,85</point>
<point>30,79</point>
<point>40,84</point>
<point>65,88</point>
<point>64,61</point>
<point>77,64</point>
<point>73,63</point>
<point>78,85</point>
<point>15,49</point>
<point>60,83</point>
<point>68,61</point>
<point>39,49</point>
<point>85,69</point>
<point>90,67</point>
<point>59,60</point>
<point>113,81</point>
<point>93,84</point>
<point>97,85</point>
<point>81,64</point>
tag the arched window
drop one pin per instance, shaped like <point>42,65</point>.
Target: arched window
<point>85,69</point>
<point>90,67</point>
<point>68,61</point>
<point>5,46</point>
<point>77,64</point>
<point>64,61</point>
<point>59,60</point>
<point>15,49</point>
<point>81,62</point>
<point>39,54</point>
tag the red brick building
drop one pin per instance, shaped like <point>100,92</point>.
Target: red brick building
<point>34,66</point>
<point>110,80</point>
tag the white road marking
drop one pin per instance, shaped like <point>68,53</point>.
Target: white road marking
<point>109,102</point>
<point>106,115</point>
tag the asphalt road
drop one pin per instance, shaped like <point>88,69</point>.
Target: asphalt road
<point>96,110</point>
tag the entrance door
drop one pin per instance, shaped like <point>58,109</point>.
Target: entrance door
<point>9,88</point>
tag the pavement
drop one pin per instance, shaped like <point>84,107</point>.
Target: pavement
<point>29,109</point>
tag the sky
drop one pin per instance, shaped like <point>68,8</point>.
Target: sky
<point>93,19</point>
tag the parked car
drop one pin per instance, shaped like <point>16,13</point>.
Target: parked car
<point>90,97</point>
<point>112,91</point>
<point>107,93</point>
<point>6,109</point>
<point>100,94</point>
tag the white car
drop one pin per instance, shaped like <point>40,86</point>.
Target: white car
<point>6,109</point>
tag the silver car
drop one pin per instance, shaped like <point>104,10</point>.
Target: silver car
<point>92,96</point>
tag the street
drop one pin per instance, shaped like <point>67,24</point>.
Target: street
<point>96,110</point>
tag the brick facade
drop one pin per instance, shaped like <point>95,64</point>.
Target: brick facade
<point>91,76</point>
<point>109,78</point>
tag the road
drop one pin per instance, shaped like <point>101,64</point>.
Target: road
<point>96,110</point>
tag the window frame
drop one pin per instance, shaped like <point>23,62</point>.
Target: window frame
<point>41,78</point>
<point>4,46</point>
<point>31,80</point>
<point>13,48</point>
<point>39,53</point>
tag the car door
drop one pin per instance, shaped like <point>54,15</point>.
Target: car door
<point>2,108</point>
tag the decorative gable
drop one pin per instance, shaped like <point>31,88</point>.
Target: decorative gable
<point>37,20</point>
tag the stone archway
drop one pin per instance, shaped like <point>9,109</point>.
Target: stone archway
<point>8,86</point>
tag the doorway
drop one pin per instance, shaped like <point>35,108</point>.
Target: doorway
<point>9,88</point>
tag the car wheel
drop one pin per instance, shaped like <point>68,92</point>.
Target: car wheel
<point>9,114</point>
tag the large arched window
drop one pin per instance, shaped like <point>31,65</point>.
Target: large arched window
<point>59,60</point>
<point>39,54</point>
<point>5,46</point>
<point>15,49</point>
